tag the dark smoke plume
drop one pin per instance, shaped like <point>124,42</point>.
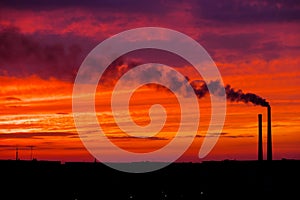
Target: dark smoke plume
<point>201,89</point>
<point>239,96</point>
<point>122,65</point>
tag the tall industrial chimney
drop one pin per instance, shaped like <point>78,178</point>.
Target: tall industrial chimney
<point>269,135</point>
<point>17,153</point>
<point>260,138</point>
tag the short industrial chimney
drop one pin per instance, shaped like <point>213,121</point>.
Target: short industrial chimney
<point>260,138</point>
<point>269,135</point>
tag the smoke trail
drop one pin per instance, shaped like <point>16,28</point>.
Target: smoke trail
<point>201,89</point>
<point>199,86</point>
<point>238,95</point>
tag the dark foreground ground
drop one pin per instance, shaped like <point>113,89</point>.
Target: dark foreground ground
<point>209,180</point>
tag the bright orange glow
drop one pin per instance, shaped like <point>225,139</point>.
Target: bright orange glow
<point>140,103</point>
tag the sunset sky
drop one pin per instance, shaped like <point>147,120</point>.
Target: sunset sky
<point>255,45</point>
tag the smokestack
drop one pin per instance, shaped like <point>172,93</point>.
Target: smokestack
<point>260,142</point>
<point>269,136</point>
<point>17,153</point>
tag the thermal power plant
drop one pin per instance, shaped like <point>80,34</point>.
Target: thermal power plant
<point>260,138</point>
<point>269,135</point>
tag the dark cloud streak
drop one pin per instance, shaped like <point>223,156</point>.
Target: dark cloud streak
<point>131,6</point>
<point>21,135</point>
<point>23,55</point>
<point>223,11</point>
<point>239,11</point>
<point>12,99</point>
<point>137,138</point>
<point>225,135</point>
